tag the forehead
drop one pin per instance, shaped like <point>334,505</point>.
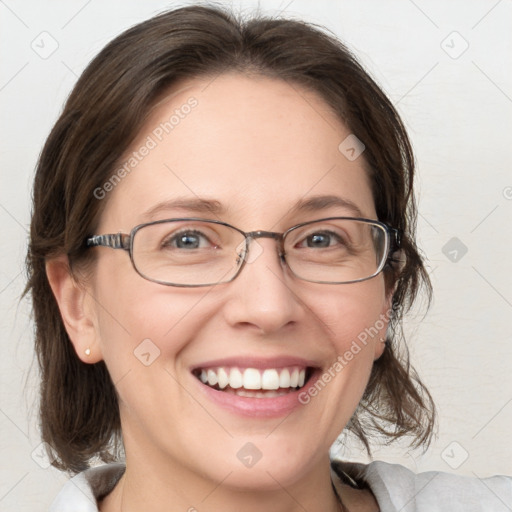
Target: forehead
<point>256,145</point>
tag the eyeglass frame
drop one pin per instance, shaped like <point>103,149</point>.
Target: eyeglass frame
<point>125,241</point>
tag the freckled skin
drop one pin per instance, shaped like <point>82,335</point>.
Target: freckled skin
<point>256,146</point>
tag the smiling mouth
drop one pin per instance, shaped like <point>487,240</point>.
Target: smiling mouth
<point>254,382</point>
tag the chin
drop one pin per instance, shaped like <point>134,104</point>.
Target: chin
<point>264,464</point>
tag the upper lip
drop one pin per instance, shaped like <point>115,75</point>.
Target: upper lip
<point>257,362</point>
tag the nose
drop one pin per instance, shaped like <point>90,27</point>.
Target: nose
<point>262,297</point>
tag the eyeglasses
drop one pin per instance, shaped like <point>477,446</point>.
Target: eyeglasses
<point>192,252</point>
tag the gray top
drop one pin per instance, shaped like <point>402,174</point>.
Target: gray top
<point>396,489</point>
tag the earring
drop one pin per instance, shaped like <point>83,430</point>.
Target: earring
<point>87,351</point>
<point>382,340</point>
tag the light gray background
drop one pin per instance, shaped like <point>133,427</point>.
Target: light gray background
<point>458,109</point>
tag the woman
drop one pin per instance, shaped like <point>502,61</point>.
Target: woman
<point>215,339</point>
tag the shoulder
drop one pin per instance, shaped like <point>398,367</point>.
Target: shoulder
<point>82,492</point>
<point>397,488</point>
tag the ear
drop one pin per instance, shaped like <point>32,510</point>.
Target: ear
<point>398,260</point>
<point>383,321</point>
<point>74,303</point>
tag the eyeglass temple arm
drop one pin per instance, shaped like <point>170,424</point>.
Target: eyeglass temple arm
<point>116,241</point>
<point>396,238</point>
<point>395,255</point>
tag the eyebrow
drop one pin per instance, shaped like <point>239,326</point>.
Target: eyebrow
<point>192,204</point>
<point>319,203</point>
<point>214,207</point>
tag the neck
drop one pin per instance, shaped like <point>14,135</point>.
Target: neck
<point>169,487</point>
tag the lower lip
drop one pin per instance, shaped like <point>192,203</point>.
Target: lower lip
<point>255,407</point>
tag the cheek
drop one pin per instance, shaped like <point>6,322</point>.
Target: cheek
<point>140,321</point>
<point>354,313</point>
<point>355,320</point>
<point>351,320</point>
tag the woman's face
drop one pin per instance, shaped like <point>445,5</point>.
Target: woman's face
<point>258,149</point>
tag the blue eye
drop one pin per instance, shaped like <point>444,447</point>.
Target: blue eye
<point>321,240</point>
<point>190,239</point>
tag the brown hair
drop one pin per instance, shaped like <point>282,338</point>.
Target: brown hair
<point>78,406</point>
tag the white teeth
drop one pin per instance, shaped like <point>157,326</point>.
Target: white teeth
<point>302,378</point>
<point>223,378</point>
<point>235,378</point>
<point>212,378</point>
<point>252,379</point>
<point>259,394</point>
<point>270,379</point>
<point>294,378</point>
<point>284,379</point>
